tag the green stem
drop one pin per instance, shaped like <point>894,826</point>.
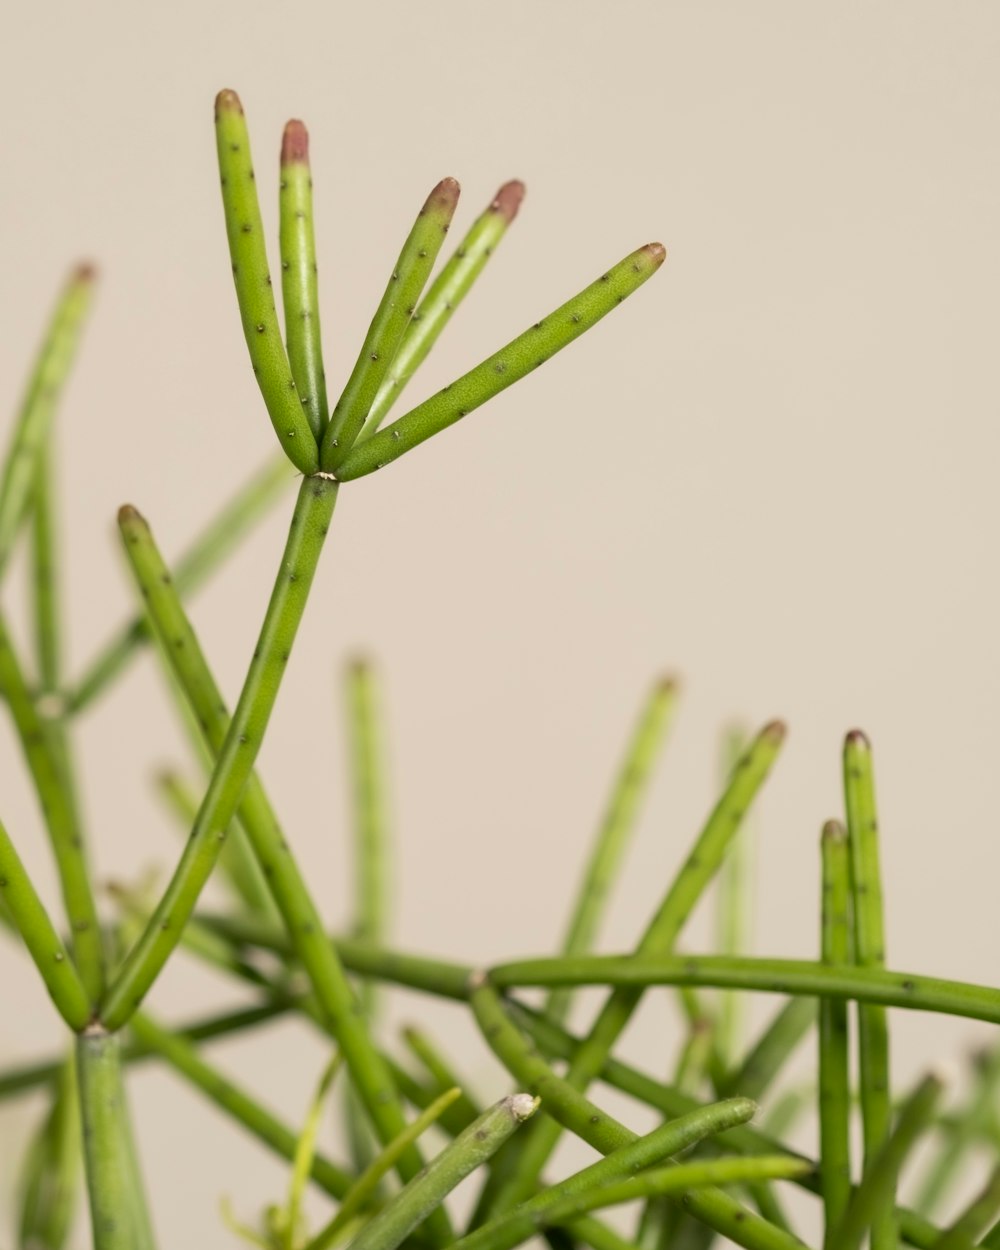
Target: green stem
<point>834,1041</point>
<point>61,818</point>
<point>310,522</point>
<point>768,1056</point>
<point>771,976</point>
<point>472,1148</point>
<point>732,911</point>
<point>117,1204</point>
<point>371,837</point>
<point>503,368</point>
<point>215,542</point>
<point>407,281</point>
<point>582,1117</point>
<point>239,1105</point>
<point>619,821</point>
<point>679,1181</point>
<point>876,1193</point>
<point>688,886</point>
<point>869,951</point>
<point>974,1218</point>
<point>63,982</point>
<point>443,297</point>
<point>298,277</point>
<point>22,1080</point>
<point>49,1186</point>
<point>365,1188</point>
<point>557,1043</point>
<point>20,468</point>
<point>48,641</point>
<point>440,1070</point>
<point>254,292</point>
<point>235,743</point>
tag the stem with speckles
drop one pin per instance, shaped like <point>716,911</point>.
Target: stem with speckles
<point>869,952</point>
<point>117,1204</point>
<point>237,753</point>
<point>254,290</point>
<point>574,1111</point>
<point>393,315</point>
<point>63,982</point>
<point>619,822</point>
<point>834,1040</point>
<point>688,886</point>
<point>20,468</point>
<point>61,818</point>
<point>503,368</point>
<point>299,292</point>
<point>180,647</point>
<point>215,542</point>
<point>443,297</point>
<point>425,1193</point>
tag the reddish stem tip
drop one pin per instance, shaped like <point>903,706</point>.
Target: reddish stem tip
<point>227,101</point>
<point>834,831</point>
<point>656,252</point>
<point>295,144</point>
<point>668,684</point>
<point>127,514</point>
<point>443,198</point>
<point>84,272</point>
<point>775,730</point>
<point>508,199</point>
<point>856,738</point>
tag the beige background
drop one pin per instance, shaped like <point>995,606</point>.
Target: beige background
<point>772,472</point>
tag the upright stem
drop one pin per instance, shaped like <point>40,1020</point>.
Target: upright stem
<point>310,522</point>
<point>117,1202</point>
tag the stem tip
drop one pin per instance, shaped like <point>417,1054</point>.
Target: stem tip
<point>508,199</point>
<point>857,739</point>
<point>444,197</point>
<point>227,101</point>
<point>775,730</point>
<point>85,271</point>
<point>127,514</point>
<point>657,253</point>
<point>295,144</point>
<point>834,831</point>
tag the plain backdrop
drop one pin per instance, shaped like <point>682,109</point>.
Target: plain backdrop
<point>771,473</point>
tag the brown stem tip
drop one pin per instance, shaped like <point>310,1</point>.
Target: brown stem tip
<point>295,144</point>
<point>128,515</point>
<point>227,101</point>
<point>834,831</point>
<point>84,272</point>
<point>508,199</point>
<point>856,738</point>
<point>656,252</point>
<point>443,199</point>
<point>775,730</point>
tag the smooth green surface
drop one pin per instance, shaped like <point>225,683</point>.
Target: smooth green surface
<point>869,951</point>
<point>470,1150</point>
<point>254,288</point>
<point>617,827</point>
<point>213,544</point>
<point>393,315</point>
<point>836,944</point>
<point>61,818</point>
<point>19,475</point>
<point>63,982</point>
<point>310,522</point>
<point>44,560</point>
<point>443,297</point>
<point>503,368</point>
<point>733,907</point>
<point>299,288</point>
<point>769,1054</point>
